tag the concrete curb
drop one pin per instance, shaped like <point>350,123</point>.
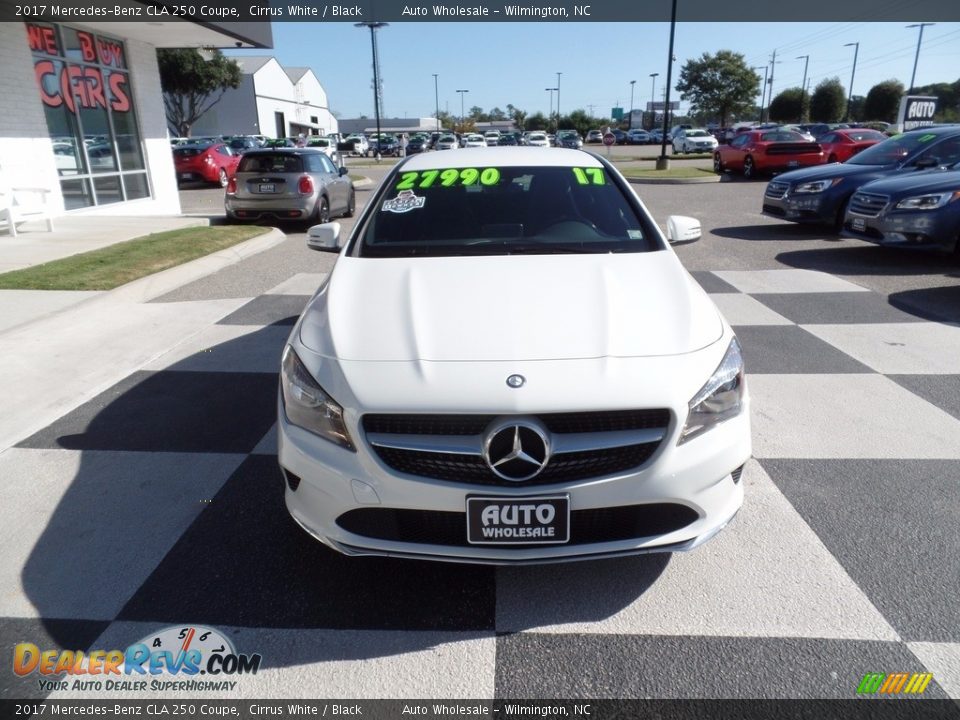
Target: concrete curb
<point>675,181</point>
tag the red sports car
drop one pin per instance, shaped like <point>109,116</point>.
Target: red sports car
<point>214,163</point>
<point>767,151</point>
<point>841,145</point>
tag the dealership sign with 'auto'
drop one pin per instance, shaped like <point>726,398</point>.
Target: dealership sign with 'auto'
<point>916,111</point>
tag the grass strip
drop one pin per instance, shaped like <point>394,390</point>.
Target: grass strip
<point>115,265</point>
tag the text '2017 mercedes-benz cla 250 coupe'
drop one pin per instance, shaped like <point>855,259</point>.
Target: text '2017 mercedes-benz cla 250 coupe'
<point>508,364</point>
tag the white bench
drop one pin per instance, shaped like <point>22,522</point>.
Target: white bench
<point>23,204</point>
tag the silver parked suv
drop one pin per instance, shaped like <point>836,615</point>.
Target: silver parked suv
<point>300,184</point>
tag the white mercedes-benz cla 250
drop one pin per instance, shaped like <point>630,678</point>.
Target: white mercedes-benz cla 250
<point>509,364</point>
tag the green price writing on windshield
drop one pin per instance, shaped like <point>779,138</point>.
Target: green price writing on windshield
<point>586,176</point>
<point>448,178</point>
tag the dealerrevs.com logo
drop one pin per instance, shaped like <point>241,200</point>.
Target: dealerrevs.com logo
<point>180,652</point>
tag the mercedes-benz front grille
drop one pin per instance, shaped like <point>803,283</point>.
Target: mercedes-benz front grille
<point>451,447</point>
<point>868,204</point>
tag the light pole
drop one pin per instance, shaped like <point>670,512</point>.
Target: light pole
<point>653,97</point>
<point>856,49</point>
<point>763,93</point>
<point>436,99</point>
<point>630,124</point>
<point>550,90</point>
<point>558,100</point>
<point>376,73</point>
<point>663,162</point>
<point>803,85</point>
<point>913,75</point>
<point>462,92</point>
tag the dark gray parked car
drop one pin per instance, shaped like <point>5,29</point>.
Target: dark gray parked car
<point>299,184</point>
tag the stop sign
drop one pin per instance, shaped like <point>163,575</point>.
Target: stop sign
<point>609,139</point>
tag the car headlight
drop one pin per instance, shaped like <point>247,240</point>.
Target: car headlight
<point>307,405</point>
<point>817,186</point>
<point>927,202</point>
<point>721,398</point>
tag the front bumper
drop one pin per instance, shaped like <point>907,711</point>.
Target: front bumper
<point>803,208</point>
<point>936,231</point>
<point>324,482</point>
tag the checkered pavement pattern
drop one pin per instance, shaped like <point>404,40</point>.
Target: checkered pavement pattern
<point>159,503</point>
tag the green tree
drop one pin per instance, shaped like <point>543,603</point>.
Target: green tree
<point>447,120</point>
<point>828,102</point>
<point>948,100</point>
<point>537,121</point>
<point>789,106</point>
<point>192,84</point>
<point>720,85</point>
<point>856,109</point>
<point>518,116</point>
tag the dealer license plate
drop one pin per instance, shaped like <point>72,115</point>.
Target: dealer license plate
<point>793,163</point>
<point>267,187</point>
<point>858,224</point>
<point>541,520</point>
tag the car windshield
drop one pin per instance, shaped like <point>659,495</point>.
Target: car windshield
<point>697,133</point>
<point>504,211</point>
<point>893,150</point>
<point>270,163</point>
<point>862,135</point>
<point>781,136</point>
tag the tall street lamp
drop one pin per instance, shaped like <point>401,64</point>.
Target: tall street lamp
<point>653,97</point>
<point>558,99</point>
<point>763,92</point>
<point>376,71</point>
<point>803,85</point>
<point>663,162</point>
<point>436,100</point>
<point>550,115</point>
<point>630,124</point>
<point>856,49</point>
<point>916,57</point>
<point>462,92</point>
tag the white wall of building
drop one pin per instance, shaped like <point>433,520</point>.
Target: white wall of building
<point>26,152</point>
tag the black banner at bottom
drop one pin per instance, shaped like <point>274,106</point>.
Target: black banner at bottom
<point>858,709</point>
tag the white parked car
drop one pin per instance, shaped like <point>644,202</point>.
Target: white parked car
<point>538,139</point>
<point>474,141</point>
<point>695,140</point>
<point>360,143</point>
<point>448,142</point>
<point>492,137</point>
<point>508,363</point>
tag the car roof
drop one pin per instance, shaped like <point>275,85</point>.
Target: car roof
<point>518,156</point>
<point>284,151</point>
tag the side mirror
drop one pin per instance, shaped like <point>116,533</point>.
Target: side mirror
<point>681,228</point>
<point>325,237</point>
<point>343,171</point>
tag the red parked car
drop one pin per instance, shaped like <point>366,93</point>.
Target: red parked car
<point>214,163</point>
<point>767,151</point>
<point>841,145</point>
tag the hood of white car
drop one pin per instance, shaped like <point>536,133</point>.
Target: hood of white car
<point>532,307</point>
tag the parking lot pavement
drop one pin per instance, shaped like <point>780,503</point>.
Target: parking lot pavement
<point>159,503</point>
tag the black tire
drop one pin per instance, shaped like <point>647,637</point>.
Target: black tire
<point>832,158</point>
<point>838,218</point>
<point>749,169</point>
<point>351,204</point>
<point>222,177</point>
<point>717,164</point>
<point>323,210</point>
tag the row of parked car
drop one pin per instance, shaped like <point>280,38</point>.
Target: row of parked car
<point>902,191</point>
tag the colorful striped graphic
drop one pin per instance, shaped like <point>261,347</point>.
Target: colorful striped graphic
<point>894,683</point>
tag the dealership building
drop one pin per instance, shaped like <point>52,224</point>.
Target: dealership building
<point>84,114</point>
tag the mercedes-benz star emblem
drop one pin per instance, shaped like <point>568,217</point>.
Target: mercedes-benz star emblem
<point>516,381</point>
<point>516,450</point>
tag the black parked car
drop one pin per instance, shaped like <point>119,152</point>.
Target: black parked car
<point>509,139</point>
<point>920,210</point>
<point>621,137</point>
<point>820,194</point>
<point>417,145</point>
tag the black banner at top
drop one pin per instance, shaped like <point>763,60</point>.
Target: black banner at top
<point>731,11</point>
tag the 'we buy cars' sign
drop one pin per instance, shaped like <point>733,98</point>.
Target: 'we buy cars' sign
<point>916,111</point>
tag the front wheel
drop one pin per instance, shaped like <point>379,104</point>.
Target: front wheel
<point>717,164</point>
<point>832,158</point>
<point>749,169</point>
<point>222,177</point>
<point>351,204</point>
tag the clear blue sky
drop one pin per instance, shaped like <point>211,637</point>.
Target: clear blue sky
<point>502,63</point>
